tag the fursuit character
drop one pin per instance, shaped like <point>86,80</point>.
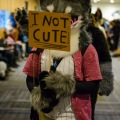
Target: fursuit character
<point>105,61</point>
<point>69,90</point>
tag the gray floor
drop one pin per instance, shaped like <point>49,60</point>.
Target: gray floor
<point>15,104</point>
<point>108,108</point>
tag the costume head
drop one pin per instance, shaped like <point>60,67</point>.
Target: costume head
<point>79,11</point>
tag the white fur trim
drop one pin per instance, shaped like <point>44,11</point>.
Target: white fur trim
<point>63,111</point>
<point>66,66</point>
<point>46,60</point>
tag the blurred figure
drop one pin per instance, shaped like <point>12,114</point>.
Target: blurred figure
<point>96,22</point>
<point>115,33</point>
<point>9,44</point>
<point>117,53</point>
<point>98,15</point>
<point>12,31</point>
<point>5,59</point>
<point>12,20</point>
<point>100,43</point>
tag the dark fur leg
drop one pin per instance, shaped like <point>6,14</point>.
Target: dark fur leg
<point>34,115</point>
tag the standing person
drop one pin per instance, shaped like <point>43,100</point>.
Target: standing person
<point>64,92</point>
<point>115,32</point>
<point>100,44</point>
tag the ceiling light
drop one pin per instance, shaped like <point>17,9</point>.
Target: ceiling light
<point>112,1</point>
<point>95,1</point>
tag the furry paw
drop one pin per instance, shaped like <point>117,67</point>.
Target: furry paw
<point>48,100</point>
<point>50,107</point>
<point>22,19</point>
<point>48,96</point>
<point>64,85</point>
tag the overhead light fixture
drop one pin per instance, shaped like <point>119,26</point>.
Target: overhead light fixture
<point>112,1</point>
<point>95,1</point>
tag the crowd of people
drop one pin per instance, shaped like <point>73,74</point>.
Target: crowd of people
<point>111,30</point>
<point>13,47</point>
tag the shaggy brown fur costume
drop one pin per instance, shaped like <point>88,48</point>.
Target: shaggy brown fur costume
<point>62,85</point>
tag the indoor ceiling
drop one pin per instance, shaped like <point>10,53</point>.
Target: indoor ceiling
<point>107,1</point>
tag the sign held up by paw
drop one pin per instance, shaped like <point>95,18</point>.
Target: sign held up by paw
<point>49,30</point>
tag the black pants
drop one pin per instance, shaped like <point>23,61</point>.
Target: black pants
<point>34,115</point>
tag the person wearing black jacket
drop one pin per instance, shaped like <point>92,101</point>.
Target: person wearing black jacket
<point>100,44</point>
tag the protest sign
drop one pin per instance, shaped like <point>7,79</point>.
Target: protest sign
<point>49,30</point>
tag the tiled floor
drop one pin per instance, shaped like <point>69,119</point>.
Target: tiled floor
<point>108,108</point>
<point>15,104</point>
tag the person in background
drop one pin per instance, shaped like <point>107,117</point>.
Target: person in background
<point>98,15</point>
<point>115,33</point>
<point>6,55</point>
<point>100,44</point>
<point>12,30</point>
<point>12,19</point>
<point>98,21</point>
<point>9,43</point>
<point>103,24</point>
<point>116,52</point>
